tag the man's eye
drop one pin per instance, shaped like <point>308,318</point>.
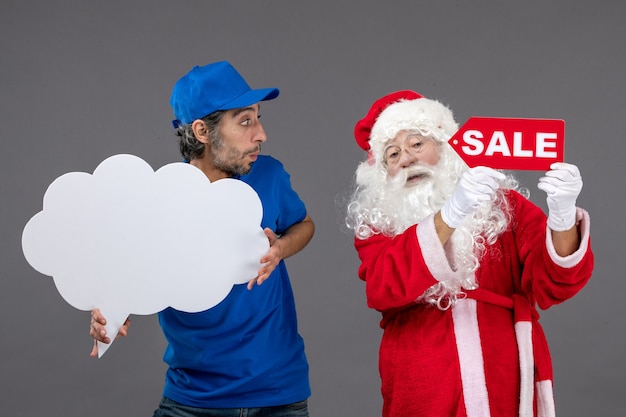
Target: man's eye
<point>246,122</point>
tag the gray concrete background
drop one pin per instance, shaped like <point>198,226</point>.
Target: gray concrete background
<point>83,80</point>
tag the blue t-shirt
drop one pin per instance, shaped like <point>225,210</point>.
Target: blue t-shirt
<point>246,351</point>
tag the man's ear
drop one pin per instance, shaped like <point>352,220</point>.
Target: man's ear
<point>200,131</point>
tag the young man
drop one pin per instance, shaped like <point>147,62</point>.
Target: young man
<point>456,260</point>
<point>245,354</point>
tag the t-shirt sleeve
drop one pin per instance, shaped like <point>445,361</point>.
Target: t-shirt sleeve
<point>282,206</point>
<point>291,208</point>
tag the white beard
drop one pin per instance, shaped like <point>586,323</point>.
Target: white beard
<point>390,206</point>
<point>405,205</point>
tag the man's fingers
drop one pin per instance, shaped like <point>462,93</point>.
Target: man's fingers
<point>94,350</point>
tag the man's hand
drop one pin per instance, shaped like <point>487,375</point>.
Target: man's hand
<point>270,260</point>
<point>291,241</point>
<point>476,186</point>
<point>97,331</point>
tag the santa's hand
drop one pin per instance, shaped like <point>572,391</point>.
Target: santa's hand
<point>476,186</point>
<point>563,184</point>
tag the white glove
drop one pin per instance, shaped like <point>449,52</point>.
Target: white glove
<point>476,186</point>
<point>563,184</point>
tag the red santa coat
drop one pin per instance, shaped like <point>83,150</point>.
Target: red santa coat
<point>486,355</point>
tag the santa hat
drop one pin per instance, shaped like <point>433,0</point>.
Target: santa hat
<point>403,110</point>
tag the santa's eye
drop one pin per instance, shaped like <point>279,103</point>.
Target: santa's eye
<point>415,144</point>
<point>392,153</point>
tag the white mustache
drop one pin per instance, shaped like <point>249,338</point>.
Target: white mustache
<point>418,170</point>
<point>401,177</point>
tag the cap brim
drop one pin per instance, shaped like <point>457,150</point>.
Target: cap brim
<point>251,97</point>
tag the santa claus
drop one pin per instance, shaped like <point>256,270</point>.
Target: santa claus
<point>456,260</point>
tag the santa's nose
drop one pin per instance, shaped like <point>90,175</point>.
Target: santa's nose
<point>408,159</point>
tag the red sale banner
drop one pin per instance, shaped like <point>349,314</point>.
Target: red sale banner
<point>510,143</point>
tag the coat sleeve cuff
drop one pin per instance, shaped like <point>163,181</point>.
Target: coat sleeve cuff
<point>433,251</point>
<point>582,222</point>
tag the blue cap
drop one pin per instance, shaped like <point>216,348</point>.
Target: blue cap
<point>213,87</point>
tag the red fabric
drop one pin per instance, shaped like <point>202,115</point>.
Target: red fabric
<point>419,364</point>
<point>364,126</point>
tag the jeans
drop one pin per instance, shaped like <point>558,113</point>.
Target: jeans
<point>170,408</point>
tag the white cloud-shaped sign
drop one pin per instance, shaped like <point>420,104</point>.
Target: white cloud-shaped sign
<point>129,240</point>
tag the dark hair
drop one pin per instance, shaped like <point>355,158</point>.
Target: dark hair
<point>189,146</point>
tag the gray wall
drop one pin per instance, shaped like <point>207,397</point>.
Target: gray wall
<point>83,80</point>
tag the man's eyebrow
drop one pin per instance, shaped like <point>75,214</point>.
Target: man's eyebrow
<point>244,109</point>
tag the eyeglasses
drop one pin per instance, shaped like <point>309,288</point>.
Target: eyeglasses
<point>413,145</point>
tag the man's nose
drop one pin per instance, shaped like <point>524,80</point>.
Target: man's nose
<point>259,135</point>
